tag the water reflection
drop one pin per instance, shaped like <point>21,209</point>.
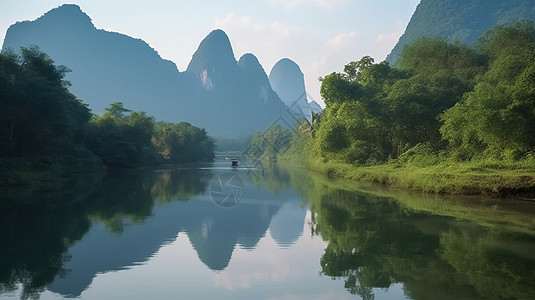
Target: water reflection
<point>376,242</point>
<point>125,218</point>
<point>36,232</point>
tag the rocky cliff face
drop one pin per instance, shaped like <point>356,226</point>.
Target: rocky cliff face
<point>232,94</point>
<point>459,20</point>
<point>213,61</point>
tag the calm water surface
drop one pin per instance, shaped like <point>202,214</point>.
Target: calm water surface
<point>271,232</point>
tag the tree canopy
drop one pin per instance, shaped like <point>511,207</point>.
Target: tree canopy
<point>498,116</point>
<point>41,120</point>
<point>38,113</point>
<point>443,98</point>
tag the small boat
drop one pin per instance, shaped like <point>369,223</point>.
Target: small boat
<point>234,163</point>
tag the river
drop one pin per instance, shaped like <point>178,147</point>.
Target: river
<point>211,231</point>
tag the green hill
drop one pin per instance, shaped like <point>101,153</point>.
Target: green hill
<point>461,20</point>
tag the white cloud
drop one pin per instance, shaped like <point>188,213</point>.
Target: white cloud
<point>346,47</point>
<point>269,42</point>
<point>386,41</point>
<point>247,25</point>
<point>334,55</point>
<point>337,52</point>
<point>389,38</point>
<point>341,40</point>
<point>290,4</point>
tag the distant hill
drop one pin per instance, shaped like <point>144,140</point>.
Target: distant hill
<point>288,82</point>
<point>106,66</point>
<point>232,98</point>
<point>461,20</point>
<point>216,92</point>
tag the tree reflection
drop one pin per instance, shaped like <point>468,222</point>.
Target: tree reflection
<point>35,234</point>
<point>375,242</point>
<point>487,262</point>
<point>179,184</point>
<point>367,237</point>
<point>37,229</point>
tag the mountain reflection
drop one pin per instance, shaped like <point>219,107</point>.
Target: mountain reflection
<point>375,240</point>
<point>80,230</point>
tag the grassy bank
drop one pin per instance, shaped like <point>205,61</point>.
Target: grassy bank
<point>489,212</point>
<point>32,171</point>
<point>497,178</point>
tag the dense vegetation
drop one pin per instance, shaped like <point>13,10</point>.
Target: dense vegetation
<point>471,102</point>
<point>448,109</point>
<point>43,125</point>
<point>38,113</point>
<point>127,139</point>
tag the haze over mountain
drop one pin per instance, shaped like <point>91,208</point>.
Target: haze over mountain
<point>460,20</point>
<point>232,97</point>
<point>288,81</point>
<point>106,66</point>
<point>225,96</point>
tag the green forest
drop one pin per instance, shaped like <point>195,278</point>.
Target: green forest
<point>44,127</point>
<point>450,119</point>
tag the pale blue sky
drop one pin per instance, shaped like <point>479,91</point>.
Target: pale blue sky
<point>319,35</point>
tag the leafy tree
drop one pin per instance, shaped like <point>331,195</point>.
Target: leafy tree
<point>38,114</point>
<point>332,136</point>
<point>440,74</point>
<point>427,56</point>
<point>124,138</point>
<point>355,127</point>
<point>120,139</point>
<point>43,125</point>
<point>498,116</point>
<point>507,40</point>
<point>375,112</point>
<point>337,88</point>
<point>116,111</point>
<point>183,142</point>
<point>307,128</point>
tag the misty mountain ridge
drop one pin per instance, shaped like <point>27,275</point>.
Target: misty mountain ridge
<point>106,66</point>
<point>225,96</point>
<point>288,81</point>
<point>460,20</point>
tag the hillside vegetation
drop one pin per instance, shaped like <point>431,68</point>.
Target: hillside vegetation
<point>450,119</point>
<point>459,20</point>
<point>44,127</point>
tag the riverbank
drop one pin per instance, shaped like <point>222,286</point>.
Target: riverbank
<point>32,171</point>
<point>494,178</point>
